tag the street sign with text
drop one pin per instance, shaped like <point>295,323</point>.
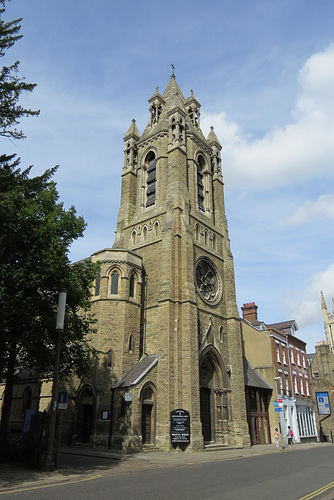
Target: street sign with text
<point>323,403</point>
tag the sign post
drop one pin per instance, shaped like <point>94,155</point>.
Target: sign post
<point>323,409</point>
<point>323,403</point>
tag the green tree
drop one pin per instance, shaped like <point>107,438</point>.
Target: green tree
<point>11,85</point>
<point>35,236</point>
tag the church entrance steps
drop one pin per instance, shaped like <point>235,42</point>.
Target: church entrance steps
<point>219,446</point>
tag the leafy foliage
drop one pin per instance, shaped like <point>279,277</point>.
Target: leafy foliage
<point>35,235</point>
<point>11,85</point>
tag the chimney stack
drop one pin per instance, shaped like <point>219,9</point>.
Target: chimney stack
<point>249,312</point>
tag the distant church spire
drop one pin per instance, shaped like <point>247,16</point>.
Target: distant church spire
<point>328,323</point>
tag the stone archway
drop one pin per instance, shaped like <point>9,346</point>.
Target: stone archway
<point>86,415</point>
<point>212,398</point>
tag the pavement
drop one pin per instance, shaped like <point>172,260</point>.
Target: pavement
<point>82,463</point>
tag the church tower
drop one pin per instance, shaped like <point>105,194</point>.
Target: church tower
<point>165,301</point>
<point>172,216</point>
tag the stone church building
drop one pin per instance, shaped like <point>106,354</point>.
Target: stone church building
<point>165,303</point>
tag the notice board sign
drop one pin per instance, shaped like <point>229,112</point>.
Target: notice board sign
<point>179,426</point>
<point>323,403</point>
<point>62,400</point>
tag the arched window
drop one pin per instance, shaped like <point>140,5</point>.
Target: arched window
<point>151,179</point>
<point>200,182</point>
<point>197,232</point>
<point>156,228</point>
<point>131,344</point>
<point>144,233</point>
<point>134,237</point>
<point>205,237</point>
<point>109,359</point>
<point>97,285</point>
<point>132,286</point>
<point>114,283</point>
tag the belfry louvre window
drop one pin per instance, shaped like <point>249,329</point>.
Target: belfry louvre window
<point>151,182</point>
<point>200,184</point>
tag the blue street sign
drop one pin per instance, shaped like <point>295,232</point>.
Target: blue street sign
<point>278,409</point>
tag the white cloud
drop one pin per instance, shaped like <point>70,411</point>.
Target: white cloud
<point>322,207</point>
<point>304,305</point>
<point>301,149</point>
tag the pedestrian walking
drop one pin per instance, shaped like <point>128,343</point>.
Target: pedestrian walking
<point>290,436</point>
<point>276,436</point>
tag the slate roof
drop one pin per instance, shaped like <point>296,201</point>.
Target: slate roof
<point>138,371</point>
<point>252,378</point>
<point>284,325</point>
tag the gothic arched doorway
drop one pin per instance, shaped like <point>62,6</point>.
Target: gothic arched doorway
<point>211,404</point>
<point>86,411</point>
<point>148,414</point>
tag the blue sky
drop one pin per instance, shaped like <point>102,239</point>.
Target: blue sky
<point>263,72</point>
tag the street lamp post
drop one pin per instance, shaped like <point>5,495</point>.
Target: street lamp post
<point>50,459</point>
<point>280,413</point>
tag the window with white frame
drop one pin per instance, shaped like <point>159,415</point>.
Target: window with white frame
<point>307,386</point>
<point>283,353</point>
<point>303,355</point>
<point>292,359</point>
<point>298,357</point>
<point>278,357</point>
<point>286,377</point>
<point>301,383</point>
<point>295,383</point>
<point>280,381</point>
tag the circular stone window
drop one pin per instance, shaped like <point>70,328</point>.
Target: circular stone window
<point>208,281</point>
